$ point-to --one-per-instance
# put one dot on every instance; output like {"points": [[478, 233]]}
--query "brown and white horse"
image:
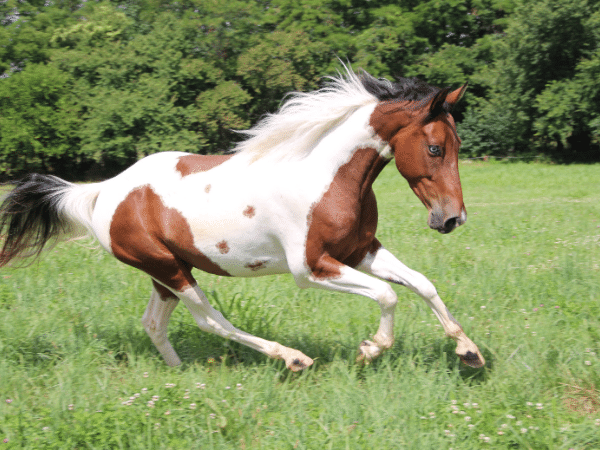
{"points": [[295, 197]]}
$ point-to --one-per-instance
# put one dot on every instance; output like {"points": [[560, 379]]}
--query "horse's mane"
{"points": [[305, 117]]}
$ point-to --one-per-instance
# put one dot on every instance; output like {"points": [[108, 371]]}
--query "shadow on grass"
{"points": [[467, 373], [439, 353], [197, 347]]}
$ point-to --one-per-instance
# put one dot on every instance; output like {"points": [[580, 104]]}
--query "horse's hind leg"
{"points": [[212, 321], [137, 238], [155, 321]]}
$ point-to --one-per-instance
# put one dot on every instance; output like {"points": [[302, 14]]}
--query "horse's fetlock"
{"points": [[456, 333], [384, 342]]}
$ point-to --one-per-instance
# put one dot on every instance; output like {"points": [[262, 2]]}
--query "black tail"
{"points": [[30, 216]]}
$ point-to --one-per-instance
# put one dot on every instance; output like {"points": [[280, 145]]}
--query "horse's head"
{"points": [[423, 139]]}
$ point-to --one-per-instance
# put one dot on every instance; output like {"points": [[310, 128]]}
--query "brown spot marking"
{"points": [[223, 247], [343, 222], [207, 188], [250, 212], [147, 235], [189, 164], [256, 265]]}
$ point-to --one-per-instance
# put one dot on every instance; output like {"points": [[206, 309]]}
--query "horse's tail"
{"points": [[43, 209]]}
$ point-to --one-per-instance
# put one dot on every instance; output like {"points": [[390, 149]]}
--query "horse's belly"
{"points": [[245, 233], [244, 254]]}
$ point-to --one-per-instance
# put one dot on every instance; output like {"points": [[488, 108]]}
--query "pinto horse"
{"points": [[294, 197]]}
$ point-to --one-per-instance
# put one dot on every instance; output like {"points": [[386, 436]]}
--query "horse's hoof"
{"points": [[473, 359], [298, 364], [367, 352]]}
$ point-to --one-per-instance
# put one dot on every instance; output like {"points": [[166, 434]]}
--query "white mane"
{"points": [[304, 118]]}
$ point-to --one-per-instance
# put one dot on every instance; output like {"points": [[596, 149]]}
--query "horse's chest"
{"points": [[341, 224]]}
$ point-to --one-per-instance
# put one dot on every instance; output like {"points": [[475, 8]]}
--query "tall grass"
{"points": [[522, 276]]}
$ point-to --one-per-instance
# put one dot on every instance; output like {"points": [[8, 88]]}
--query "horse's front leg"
{"points": [[328, 273], [383, 264]]}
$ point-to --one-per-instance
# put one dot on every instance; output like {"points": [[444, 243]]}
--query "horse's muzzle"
{"points": [[445, 225]]}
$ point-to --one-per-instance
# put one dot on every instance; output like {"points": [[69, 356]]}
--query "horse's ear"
{"points": [[454, 97], [436, 107]]}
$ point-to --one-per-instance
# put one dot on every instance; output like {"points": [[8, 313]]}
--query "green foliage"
{"points": [[279, 63], [219, 110], [489, 129], [544, 79], [152, 93], [39, 121], [569, 108], [28, 40], [390, 43], [146, 76], [98, 24]]}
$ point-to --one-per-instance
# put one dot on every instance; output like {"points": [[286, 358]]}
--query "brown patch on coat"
{"points": [[257, 265], [149, 236], [189, 164], [387, 119], [343, 222], [223, 247], [207, 188], [249, 212]]}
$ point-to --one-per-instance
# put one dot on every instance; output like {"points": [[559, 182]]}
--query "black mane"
{"points": [[404, 89]]}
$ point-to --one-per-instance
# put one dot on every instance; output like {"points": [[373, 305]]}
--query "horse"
{"points": [[293, 196]]}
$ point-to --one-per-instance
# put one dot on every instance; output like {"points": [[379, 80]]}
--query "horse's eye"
{"points": [[435, 150]]}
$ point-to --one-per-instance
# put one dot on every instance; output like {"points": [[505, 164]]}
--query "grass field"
{"points": [[522, 276]]}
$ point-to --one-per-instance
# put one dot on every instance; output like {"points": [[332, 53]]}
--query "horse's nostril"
{"points": [[437, 222], [451, 224]]}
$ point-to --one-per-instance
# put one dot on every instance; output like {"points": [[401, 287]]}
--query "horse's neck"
{"points": [[351, 154]]}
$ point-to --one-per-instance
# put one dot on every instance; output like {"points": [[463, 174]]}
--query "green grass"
{"points": [[522, 276]]}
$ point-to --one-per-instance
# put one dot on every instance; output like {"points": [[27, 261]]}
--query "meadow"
{"points": [[522, 276]]}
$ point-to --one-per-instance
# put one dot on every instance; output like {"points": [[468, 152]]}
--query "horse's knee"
{"points": [[387, 298]]}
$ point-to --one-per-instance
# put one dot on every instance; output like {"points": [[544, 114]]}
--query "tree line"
{"points": [[89, 88]]}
